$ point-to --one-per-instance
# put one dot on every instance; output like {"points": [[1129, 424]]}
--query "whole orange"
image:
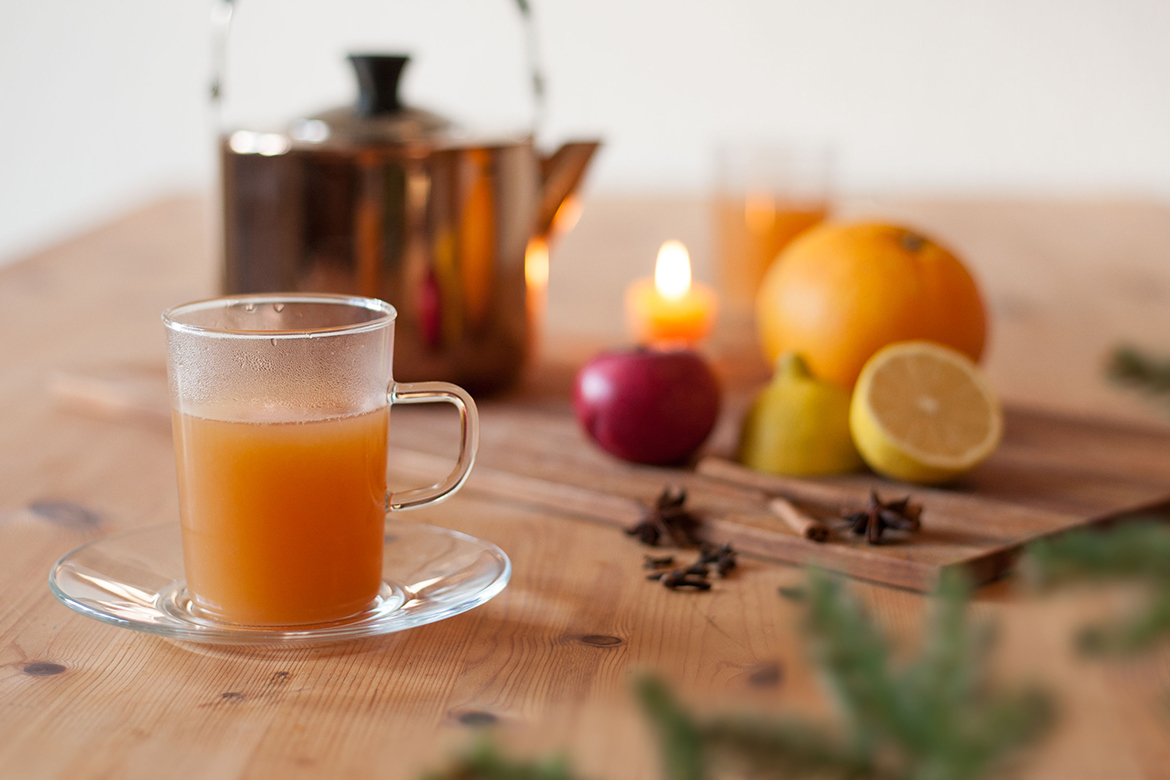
{"points": [[840, 292]]}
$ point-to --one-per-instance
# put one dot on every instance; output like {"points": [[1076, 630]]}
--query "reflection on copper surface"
{"points": [[441, 232], [536, 269], [566, 217], [536, 264], [477, 240]]}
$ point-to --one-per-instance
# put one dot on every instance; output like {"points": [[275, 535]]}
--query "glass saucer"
{"points": [[134, 579]]}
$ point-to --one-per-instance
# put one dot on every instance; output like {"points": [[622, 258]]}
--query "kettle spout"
{"points": [[561, 174]]}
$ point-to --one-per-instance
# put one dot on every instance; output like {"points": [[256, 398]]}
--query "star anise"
{"points": [[877, 515], [667, 521]]}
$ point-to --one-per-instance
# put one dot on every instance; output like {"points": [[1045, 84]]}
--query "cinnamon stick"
{"points": [[805, 525], [830, 496]]}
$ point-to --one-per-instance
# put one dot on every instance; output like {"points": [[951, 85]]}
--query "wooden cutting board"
{"points": [[1051, 474]]}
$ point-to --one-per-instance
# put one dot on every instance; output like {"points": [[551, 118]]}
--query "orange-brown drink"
{"points": [[280, 410], [749, 233], [766, 194], [316, 487]]}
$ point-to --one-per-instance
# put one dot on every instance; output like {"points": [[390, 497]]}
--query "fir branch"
{"points": [[1137, 551], [937, 718], [484, 761], [1130, 366], [792, 594], [785, 748], [1131, 635], [679, 740], [855, 658]]}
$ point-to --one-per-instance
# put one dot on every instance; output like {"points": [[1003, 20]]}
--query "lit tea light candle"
{"points": [[670, 309]]}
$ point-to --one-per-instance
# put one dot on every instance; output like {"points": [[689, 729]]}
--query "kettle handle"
{"points": [[221, 22]]}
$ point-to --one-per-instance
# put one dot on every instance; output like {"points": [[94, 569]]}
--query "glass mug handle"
{"points": [[431, 392]]}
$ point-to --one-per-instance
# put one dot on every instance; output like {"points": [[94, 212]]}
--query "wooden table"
{"points": [[550, 659]]}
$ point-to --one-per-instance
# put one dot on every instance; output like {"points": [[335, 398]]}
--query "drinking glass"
{"points": [[280, 411], [765, 195]]}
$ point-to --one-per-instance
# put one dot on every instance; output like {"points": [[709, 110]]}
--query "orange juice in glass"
{"points": [[280, 410]]}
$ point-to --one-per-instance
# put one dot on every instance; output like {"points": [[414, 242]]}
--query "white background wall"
{"points": [[103, 102]]}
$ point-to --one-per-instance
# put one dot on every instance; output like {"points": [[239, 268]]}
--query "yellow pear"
{"points": [[799, 425]]}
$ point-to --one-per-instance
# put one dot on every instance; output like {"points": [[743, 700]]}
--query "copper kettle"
{"points": [[386, 201]]}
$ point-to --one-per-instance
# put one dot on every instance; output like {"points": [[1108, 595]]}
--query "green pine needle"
{"points": [[484, 761], [679, 740], [936, 718], [1137, 551], [1130, 366], [785, 748]]}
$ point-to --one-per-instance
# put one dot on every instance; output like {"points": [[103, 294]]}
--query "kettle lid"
{"points": [[379, 116]]}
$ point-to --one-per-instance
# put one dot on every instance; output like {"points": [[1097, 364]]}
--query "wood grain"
{"points": [[539, 659]]}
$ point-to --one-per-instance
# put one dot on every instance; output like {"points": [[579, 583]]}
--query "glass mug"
{"points": [[280, 409]]}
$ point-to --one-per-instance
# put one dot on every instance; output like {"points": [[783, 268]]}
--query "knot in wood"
{"points": [[477, 719], [65, 513]]}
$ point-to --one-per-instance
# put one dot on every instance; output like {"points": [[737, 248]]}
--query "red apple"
{"points": [[646, 406]]}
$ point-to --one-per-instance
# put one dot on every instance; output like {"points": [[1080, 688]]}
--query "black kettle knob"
{"points": [[377, 76]]}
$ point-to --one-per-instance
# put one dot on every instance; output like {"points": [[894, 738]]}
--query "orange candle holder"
{"points": [[670, 309]]}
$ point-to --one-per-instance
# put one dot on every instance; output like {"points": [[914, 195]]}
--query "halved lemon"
{"points": [[922, 412]]}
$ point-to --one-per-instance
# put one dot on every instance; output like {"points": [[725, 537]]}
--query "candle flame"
{"points": [[672, 272]]}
